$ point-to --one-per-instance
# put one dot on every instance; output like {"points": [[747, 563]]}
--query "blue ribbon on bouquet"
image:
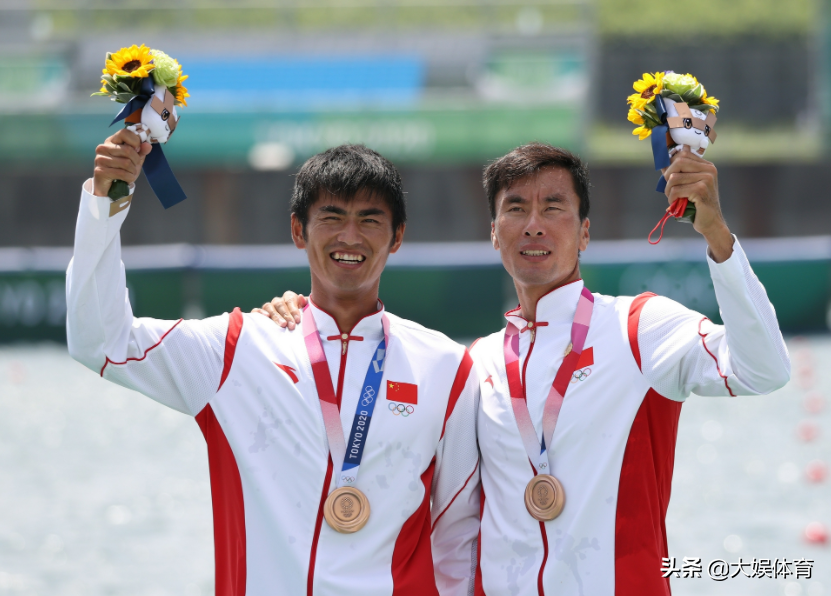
{"points": [[660, 154], [158, 172]]}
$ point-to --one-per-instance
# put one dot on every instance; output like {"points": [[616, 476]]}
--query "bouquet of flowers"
{"points": [[124, 70], [677, 88], [678, 110], [150, 83]]}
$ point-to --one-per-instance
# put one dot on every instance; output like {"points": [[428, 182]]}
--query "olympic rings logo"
{"points": [[369, 396], [401, 410], [543, 466], [581, 375], [348, 478]]}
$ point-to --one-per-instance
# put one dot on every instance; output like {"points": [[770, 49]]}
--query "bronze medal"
{"points": [[346, 510], [544, 497]]}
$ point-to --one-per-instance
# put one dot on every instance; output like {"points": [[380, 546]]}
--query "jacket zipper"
{"points": [[318, 522], [533, 329], [344, 349]]}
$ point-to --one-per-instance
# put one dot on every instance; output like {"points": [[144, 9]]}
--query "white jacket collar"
{"points": [[556, 306], [370, 328]]}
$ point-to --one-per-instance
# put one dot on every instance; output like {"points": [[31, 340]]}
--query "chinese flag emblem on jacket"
{"points": [[586, 358], [405, 393]]}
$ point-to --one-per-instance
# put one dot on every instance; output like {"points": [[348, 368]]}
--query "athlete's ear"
{"points": [[584, 234], [398, 238], [494, 240], [297, 232]]}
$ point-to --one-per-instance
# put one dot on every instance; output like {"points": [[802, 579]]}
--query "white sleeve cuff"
{"points": [[758, 352], [730, 271], [103, 209]]}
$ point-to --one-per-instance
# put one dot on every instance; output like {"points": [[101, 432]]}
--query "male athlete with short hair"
{"points": [[327, 445], [581, 393]]}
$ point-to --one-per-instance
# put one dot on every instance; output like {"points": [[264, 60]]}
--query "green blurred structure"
{"points": [[461, 292], [633, 18], [446, 134], [498, 73]]}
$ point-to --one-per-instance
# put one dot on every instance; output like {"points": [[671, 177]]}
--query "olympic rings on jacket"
{"points": [[401, 409], [581, 375]]}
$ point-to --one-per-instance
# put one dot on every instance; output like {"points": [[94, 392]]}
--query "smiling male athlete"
{"points": [[327, 444], [581, 393]]}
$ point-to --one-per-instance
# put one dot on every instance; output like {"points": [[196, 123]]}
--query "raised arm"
{"points": [[178, 363], [682, 351]]}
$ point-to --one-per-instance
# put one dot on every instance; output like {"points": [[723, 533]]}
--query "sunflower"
{"points": [[635, 117], [181, 92], [135, 62], [636, 101], [710, 101], [647, 88], [642, 132]]}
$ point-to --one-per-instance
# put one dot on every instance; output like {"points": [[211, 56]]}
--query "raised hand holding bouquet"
{"points": [[675, 110], [149, 82]]}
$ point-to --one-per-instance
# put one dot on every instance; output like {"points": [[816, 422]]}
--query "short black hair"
{"points": [[530, 159], [344, 171]]}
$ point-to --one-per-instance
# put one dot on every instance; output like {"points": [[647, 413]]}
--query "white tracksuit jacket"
{"points": [[614, 444], [250, 386]]}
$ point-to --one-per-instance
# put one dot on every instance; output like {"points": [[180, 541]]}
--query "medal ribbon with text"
{"points": [[346, 457], [538, 450]]}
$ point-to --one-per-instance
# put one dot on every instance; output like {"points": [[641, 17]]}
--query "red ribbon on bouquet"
{"points": [[675, 210]]}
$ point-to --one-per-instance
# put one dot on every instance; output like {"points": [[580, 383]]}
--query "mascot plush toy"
{"points": [[158, 117], [149, 82], [675, 110]]}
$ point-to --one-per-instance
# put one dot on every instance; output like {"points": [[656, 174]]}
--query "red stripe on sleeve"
{"points": [[634, 318], [234, 329], [476, 467], [478, 588], [458, 385], [108, 361], [412, 557], [228, 508], [713, 356]]}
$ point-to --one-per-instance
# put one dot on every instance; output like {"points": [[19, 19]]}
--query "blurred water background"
{"points": [[104, 492]]}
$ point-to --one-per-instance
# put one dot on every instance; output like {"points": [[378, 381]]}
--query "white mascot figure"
{"points": [[158, 117], [690, 127]]}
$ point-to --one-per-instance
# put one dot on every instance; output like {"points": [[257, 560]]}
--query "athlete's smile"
{"points": [[347, 259]]}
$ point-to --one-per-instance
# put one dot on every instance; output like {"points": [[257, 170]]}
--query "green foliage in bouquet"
{"points": [[124, 70]]}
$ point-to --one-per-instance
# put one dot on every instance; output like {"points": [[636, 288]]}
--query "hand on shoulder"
{"points": [[285, 310]]}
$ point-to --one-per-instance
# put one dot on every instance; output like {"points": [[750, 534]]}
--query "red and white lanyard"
{"points": [[329, 402], [538, 451]]}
